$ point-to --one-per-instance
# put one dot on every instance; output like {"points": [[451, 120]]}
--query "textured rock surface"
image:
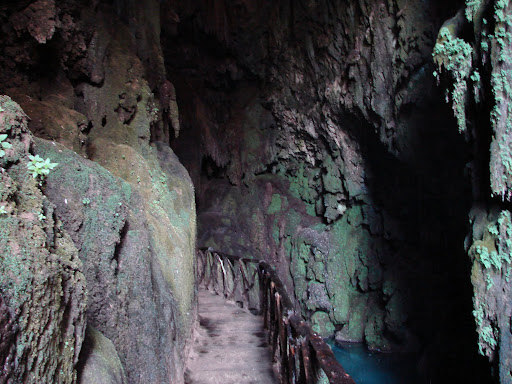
{"points": [[92, 80], [316, 138], [319, 128], [99, 362], [130, 265], [475, 69], [42, 288]]}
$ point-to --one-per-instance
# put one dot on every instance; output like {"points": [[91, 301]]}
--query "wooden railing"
{"points": [[301, 355]]}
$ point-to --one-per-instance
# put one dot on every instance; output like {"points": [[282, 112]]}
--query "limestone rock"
{"points": [[131, 288], [43, 289], [130, 211], [99, 362]]}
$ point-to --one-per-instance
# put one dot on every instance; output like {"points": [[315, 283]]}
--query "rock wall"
{"points": [[92, 81], [316, 138], [42, 288], [473, 57], [317, 129]]}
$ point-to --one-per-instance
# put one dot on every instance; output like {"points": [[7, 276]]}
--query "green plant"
{"points": [[39, 167], [2, 210], [479, 315], [3, 144], [493, 230], [86, 201], [41, 217]]}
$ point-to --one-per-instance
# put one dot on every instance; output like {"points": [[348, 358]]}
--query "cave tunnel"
{"points": [[290, 166], [316, 138]]}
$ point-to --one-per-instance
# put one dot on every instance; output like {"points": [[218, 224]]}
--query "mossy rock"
{"points": [[43, 289], [321, 324]]}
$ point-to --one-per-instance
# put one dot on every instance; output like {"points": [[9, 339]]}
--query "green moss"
{"points": [[321, 324], [454, 55], [300, 186], [479, 315], [332, 177], [276, 231], [11, 115], [355, 215], [318, 271], [489, 281], [473, 8], [488, 259], [16, 278], [491, 268], [293, 220], [495, 251], [331, 206], [354, 319], [501, 115], [310, 209], [275, 204], [487, 339], [349, 272], [304, 251], [373, 333], [298, 272]]}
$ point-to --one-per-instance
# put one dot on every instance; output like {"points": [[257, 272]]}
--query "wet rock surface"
{"points": [[473, 62]]}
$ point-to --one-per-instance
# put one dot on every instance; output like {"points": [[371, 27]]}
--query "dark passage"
{"points": [[339, 164]]}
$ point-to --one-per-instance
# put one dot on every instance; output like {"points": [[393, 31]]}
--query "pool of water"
{"points": [[367, 367]]}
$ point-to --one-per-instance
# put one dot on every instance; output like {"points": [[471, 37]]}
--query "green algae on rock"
{"points": [[95, 84], [43, 289], [486, 55]]}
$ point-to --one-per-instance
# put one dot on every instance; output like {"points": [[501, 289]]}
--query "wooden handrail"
{"points": [[302, 356]]}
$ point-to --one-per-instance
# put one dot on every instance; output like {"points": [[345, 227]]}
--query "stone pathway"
{"points": [[229, 347]]}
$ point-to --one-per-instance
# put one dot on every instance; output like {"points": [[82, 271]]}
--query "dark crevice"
{"points": [[87, 128], [119, 247]]}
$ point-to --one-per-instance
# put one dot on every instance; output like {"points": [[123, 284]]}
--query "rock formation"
{"points": [[91, 80], [317, 136], [320, 151], [473, 56], [43, 290]]}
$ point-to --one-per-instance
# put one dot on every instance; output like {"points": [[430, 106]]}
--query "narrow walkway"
{"points": [[229, 347]]}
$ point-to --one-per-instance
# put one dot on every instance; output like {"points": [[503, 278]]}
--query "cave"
{"points": [[407, 189], [362, 148]]}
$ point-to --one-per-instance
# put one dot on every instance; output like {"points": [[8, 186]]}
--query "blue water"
{"points": [[375, 368]]}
